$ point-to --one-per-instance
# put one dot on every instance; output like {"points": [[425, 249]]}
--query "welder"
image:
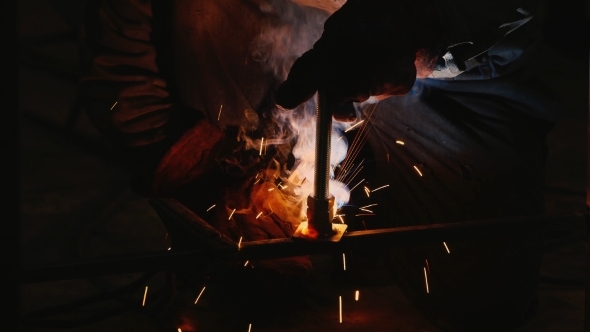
{"points": [[454, 81]]}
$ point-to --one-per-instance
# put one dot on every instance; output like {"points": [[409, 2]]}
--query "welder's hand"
{"points": [[368, 48]]}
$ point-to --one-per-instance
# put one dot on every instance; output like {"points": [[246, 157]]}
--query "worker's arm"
{"points": [[127, 98], [378, 47]]}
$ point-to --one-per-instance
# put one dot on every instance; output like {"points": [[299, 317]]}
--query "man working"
{"points": [[169, 81]]}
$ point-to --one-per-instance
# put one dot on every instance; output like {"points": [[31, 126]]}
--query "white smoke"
{"points": [[283, 39]]}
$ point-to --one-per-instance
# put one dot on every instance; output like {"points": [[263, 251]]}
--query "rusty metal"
{"points": [[215, 247]]}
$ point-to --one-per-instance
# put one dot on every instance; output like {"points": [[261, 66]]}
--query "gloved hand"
{"points": [[368, 48]]}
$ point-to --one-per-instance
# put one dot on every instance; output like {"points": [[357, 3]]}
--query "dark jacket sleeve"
{"points": [[125, 93]]}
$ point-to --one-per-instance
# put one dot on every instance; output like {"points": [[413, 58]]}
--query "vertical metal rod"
{"points": [[322, 148]]}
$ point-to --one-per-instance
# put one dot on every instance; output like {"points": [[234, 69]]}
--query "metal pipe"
{"points": [[378, 238]]}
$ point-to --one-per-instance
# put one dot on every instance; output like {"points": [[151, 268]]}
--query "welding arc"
{"points": [[33, 319]]}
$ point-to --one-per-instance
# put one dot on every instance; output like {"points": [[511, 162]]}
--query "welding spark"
{"points": [[257, 181], [367, 191], [249, 327], [341, 219], [365, 210], [231, 214], [356, 295], [144, 296], [344, 261], [340, 307], [271, 189], [219, 115], [169, 248], [240, 242], [357, 184], [339, 138], [201, 293], [356, 125], [364, 224], [212, 206], [448, 251], [115, 104], [385, 186], [246, 264], [366, 206], [259, 215], [261, 142], [417, 170], [427, 266], [426, 280], [400, 142], [364, 214], [179, 330]]}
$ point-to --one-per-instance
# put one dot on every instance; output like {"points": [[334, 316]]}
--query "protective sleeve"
{"points": [[128, 100]]}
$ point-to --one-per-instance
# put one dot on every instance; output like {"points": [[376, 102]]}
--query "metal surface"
{"points": [[219, 250]]}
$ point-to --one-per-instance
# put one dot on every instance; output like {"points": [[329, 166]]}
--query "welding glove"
{"points": [[368, 48]]}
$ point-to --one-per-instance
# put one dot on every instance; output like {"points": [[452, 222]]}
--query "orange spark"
{"points": [[144, 296], [364, 214], [340, 307], [201, 293], [341, 220], [366, 206], [212, 206], [219, 115], [169, 248], [356, 295], [385, 186], [426, 280], [448, 251], [259, 215], [367, 191], [245, 264], [400, 142], [249, 327], [261, 143], [240, 242], [357, 184], [115, 104], [271, 189], [354, 126], [231, 214], [344, 261], [417, 170], [365, 210]]}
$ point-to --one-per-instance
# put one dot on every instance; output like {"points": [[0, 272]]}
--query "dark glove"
{"points": [[368, 48]]}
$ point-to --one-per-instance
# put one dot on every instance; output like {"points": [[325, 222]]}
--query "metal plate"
{"points": [[338, 228]]}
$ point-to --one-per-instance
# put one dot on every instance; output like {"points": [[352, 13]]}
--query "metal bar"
{"points": [[390, 237], [322, 149]]}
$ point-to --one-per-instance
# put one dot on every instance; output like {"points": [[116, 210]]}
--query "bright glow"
{"points": [[340, 307], [417, 170], [249, 327], [179, 330], [356, 295], [144, 296], [271, 189], [448, 251], [231, 214], [212, 206], [201, 293], [426, 280], [400, 142], [354, 126], [245, 264], [385, 186], [259, 215], [170, 248], [361, 181]]}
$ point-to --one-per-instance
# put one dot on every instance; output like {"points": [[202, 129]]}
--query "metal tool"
{"points": [[320, 206]]}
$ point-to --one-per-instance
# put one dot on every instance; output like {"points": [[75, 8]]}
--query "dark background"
{"points": [[75, 201]]}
